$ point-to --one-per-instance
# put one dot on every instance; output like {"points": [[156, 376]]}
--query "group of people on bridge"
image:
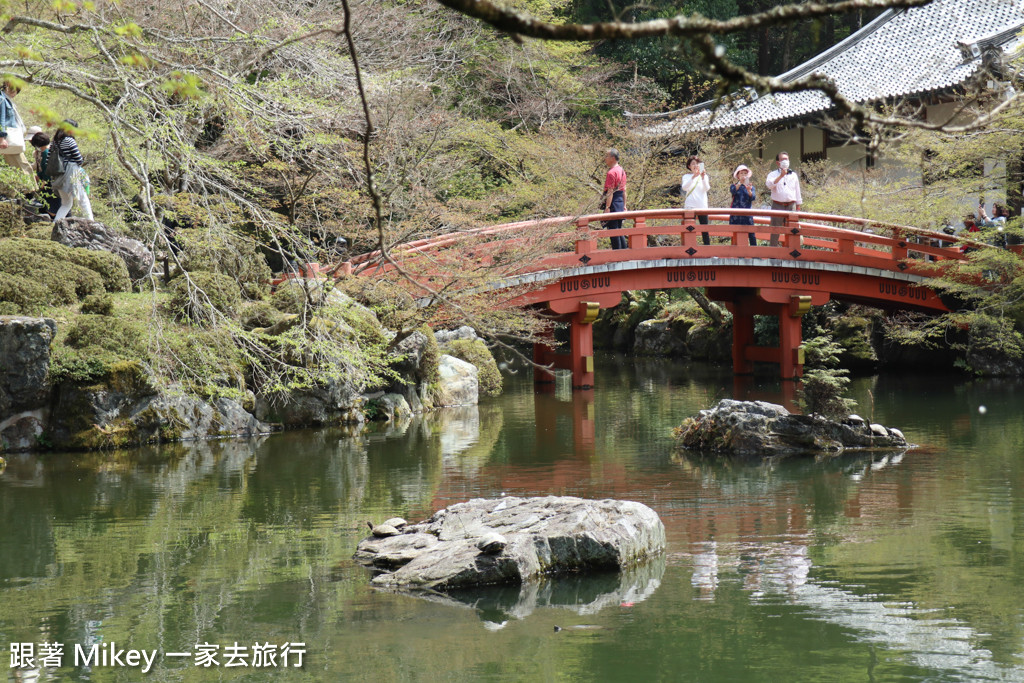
{"points": [[783, 183]]}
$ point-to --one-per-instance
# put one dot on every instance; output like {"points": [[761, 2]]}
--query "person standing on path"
{"points": [[614, 198], [784, 184], [695, 186], [13, 151], [71, 185], [743, 196]]}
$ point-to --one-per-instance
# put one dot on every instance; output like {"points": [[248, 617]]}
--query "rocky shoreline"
{"points": [[126, 408]]}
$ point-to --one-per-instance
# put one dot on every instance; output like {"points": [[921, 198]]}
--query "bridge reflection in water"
{"points": [[806, 261]]}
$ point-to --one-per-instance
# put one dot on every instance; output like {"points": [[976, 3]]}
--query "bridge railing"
{"points": [[677, 233]]}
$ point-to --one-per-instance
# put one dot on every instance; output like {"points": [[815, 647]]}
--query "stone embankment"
{"points": [[128, 409], [511, 541], [767, 430]]}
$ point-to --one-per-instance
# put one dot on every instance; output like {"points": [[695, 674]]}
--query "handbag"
{"points": [[15, 141], [15, 136], [55, 166]]}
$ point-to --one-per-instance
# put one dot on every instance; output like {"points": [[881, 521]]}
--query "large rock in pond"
{"points": [[458, 382], [513, 540], [767, 429], [93, 235]]}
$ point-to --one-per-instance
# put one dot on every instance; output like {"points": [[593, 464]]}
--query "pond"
{"points": [[857, 568]]}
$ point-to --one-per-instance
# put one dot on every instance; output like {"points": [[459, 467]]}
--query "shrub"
{"points": [[12, 223], [22, 295], [476, 352], [52, 266], [259, 314], [89, 347], [221, 250], [98, 304], [125, 338], [291, 296], [823, 383], [392, 305], [192, 297]]}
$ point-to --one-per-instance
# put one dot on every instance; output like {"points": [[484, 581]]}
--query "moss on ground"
{"points": [[476, 352]]}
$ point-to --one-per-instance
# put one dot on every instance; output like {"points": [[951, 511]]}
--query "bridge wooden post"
{"points": [[581, 343], [544, 354], [742, 335], [637, 241]]}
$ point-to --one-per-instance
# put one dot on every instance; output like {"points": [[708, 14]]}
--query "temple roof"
{"points": [[904, 53]]}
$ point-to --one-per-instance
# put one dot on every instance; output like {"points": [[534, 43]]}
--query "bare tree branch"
{"points": [[521, 24]]}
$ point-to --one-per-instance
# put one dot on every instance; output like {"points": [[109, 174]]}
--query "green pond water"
{"points": [[859, 568]]}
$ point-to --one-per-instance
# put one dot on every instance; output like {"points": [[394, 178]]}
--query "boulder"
{"points": [[542, 536], [661, 338], [458, 384], [95, 236], [446, 336], [332, 401], [767, 429], [25, 354], [117, 414]]}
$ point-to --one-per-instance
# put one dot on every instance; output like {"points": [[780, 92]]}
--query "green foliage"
{"points": [[824, 383], [474, 351], [192, 297], [36, 273], [394, 306], [22, 295], [225, 251], [259, 314], [88, 347], [12, 224], [294, 296], [98, 304]]}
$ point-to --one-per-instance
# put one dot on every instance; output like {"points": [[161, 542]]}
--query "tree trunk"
{"points": [[713, 311]]}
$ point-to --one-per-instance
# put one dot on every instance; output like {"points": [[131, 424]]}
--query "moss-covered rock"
{"points": [[476, 352], [853, 333], [192, 296]]}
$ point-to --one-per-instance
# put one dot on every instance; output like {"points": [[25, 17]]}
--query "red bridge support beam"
{"points": [[788, 307], [580, 360]]}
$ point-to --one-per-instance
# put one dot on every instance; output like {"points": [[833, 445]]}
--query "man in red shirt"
{"points": [[614, 198]]}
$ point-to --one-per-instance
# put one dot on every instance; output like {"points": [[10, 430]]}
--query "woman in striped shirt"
{"points": [[71, 186]]}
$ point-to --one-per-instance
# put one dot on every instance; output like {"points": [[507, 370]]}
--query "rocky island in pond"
{"points": [[767, 429], [510, 541]]}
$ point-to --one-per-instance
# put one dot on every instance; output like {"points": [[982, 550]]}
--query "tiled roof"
{"points": [[902, 53]]}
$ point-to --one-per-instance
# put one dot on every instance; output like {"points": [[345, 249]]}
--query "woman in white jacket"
{"points": [[695, 187]]}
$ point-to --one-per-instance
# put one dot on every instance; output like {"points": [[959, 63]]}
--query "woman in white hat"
{"points": [[743, 196]]}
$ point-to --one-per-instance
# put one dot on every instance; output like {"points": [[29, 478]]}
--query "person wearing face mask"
{"points": [[784, 184]]}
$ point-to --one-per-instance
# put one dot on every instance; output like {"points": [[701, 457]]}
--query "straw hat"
{"points": [[741, 167]]}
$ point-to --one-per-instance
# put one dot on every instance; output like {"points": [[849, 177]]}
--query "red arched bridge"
{"points": [[807, 261]]}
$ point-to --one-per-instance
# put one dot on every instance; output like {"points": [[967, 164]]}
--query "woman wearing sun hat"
{"points": [[743, 196]]}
